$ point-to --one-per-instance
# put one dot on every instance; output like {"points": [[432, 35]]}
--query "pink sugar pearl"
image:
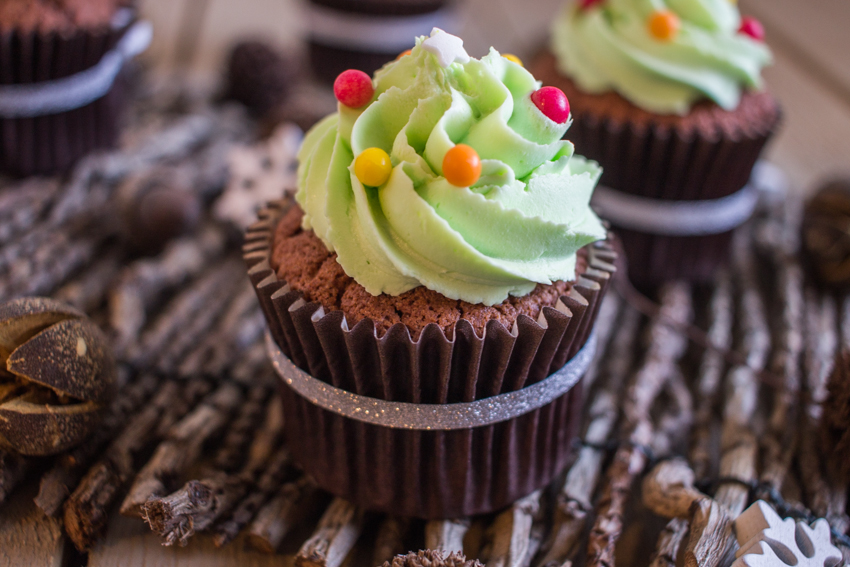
{"points": [[353, 88], [553, 103]]}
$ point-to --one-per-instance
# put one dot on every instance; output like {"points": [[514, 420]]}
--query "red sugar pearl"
{"points": [[586, 4], [353, 88], [553, 103], [752, 27]]}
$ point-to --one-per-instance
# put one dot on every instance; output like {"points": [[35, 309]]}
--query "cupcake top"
{"points": [[444, 171], [662, 55], [64, 16]]}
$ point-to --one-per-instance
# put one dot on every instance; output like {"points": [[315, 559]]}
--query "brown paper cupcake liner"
{"points": [[52, 143], [429, 474], [661, 163]]}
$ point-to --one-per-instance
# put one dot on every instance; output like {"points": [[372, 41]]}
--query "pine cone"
{"points": [[826, 233], [432, 558], [836, 413]]}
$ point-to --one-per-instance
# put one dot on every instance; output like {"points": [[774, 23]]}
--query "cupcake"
{"points": [[60, 84], [431, 289], [668, 97], [365, 34]]}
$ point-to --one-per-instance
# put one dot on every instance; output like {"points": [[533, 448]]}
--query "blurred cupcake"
{"points": [[365, 34], [60, 89], [668, 97], [432, 292]]}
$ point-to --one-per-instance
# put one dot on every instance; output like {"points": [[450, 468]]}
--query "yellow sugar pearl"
{"points": [[373, 167], [664, 25], [514, 58]]}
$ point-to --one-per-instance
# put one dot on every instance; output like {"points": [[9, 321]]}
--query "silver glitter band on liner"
{"points": [[433, 417], [372, 33], [78, 90], [675, 218]]}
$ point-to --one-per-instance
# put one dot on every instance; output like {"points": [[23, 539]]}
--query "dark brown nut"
{"points": [[56, 376], [157, 207], [826, 233]]}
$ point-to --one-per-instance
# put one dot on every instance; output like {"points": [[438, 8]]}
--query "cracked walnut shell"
{"points": [[56, 376]]}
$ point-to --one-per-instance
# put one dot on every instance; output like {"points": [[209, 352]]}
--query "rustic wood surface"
{"points": [[811, 77]]}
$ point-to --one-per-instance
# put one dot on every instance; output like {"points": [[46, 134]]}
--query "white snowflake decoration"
{"points": [[259, 174], [446, 47], [766, 540]]}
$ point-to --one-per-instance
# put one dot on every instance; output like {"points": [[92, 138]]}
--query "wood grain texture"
{"points": [[130, 543], [27, 536]]}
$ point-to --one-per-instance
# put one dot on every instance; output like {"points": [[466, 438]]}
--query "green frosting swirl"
{"points": [[609, 46], [519, 225]]}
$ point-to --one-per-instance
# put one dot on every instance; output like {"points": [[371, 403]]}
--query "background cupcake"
{"points": [[60, 89], [365, 34], [668, 98], [443, 253]]}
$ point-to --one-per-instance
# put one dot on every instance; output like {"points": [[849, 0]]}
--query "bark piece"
{"points": [[283, 512], [334, 537], [446, 535], [182, 447]]}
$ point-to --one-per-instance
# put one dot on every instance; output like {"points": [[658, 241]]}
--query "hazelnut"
{"points": [[56, 376]]}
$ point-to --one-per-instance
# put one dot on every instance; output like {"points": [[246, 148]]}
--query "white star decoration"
{"points": [[767, 540], [446, 47]]}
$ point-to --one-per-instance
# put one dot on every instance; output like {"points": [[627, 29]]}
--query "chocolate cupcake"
{"points": [[60, 87], [365, 34], [670, 102], [431, 295]]}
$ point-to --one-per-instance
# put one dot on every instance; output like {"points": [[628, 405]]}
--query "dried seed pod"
{"points": [[826, 233], [56, 376]]}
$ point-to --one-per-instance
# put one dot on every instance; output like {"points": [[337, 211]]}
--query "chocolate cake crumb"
{"points": [[301, 259], [432, 558]]}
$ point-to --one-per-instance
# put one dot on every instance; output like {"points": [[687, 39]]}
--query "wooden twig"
{"points": [[513, 543], [230, 456], [283, 512], [87, 508], [69, 468], [334, 537], [446, 535], [88, 291], [240, 325], [739, 441], [779, 443], [709, 378], [245, 511], [182, 447], [665, 347], [178, 317], [819, 355], [574, 503], [390, 539], [710, 375], [669, 541], [142, 284], [200, 503]]}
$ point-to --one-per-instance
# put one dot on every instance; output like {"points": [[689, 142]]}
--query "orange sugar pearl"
{"points": [[461, 166], [664, 25], [404, 53]]}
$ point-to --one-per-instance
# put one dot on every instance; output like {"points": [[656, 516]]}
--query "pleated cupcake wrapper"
{"points": [[428, 474], [52, 143], [660, 162]]}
